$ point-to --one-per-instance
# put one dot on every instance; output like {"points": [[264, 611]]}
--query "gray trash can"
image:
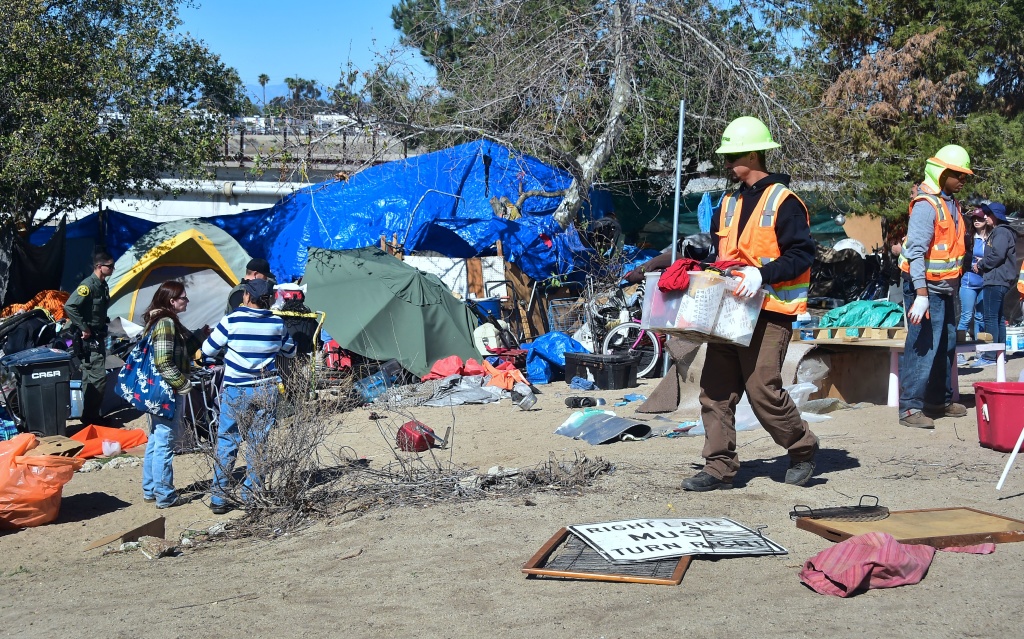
{"points": [[44, 389]]}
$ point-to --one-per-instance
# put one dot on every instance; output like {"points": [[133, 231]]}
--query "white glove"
{"points": [[918, 309], [750, 281]]}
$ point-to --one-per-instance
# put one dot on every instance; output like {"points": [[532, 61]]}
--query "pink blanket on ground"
{"points": [[872, 560]]}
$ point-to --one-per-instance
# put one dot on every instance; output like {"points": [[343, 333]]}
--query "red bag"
{"points": [[414, 437]]}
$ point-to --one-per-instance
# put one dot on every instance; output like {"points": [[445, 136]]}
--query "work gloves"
{"points": [[750, 281], [918, 310]]}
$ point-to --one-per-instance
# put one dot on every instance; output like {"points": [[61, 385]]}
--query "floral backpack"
{"points": [[140, 384]]}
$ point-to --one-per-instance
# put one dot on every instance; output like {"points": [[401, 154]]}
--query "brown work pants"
{"points": [[757, 368]]}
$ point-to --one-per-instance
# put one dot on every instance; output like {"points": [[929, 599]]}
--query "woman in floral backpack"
{"points": [[173, 347]]}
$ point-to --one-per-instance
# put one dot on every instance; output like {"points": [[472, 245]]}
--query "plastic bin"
{"points": [[1000, 418], [609, 372], [707, 311], [44, 388]]}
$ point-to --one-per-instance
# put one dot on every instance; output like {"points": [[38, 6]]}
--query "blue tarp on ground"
{"points": [[438, 201]]}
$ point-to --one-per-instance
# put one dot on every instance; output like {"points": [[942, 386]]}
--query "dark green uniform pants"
{"points": [[94, 384]]}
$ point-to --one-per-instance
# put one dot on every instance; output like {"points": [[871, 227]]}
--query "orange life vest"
{"points": [[758, 245], [944, 258]]}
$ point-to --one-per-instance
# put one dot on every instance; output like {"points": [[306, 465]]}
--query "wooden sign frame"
{"points": [[980, 531], [537, 566]]}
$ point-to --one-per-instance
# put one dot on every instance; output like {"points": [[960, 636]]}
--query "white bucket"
{"points": [[1014, 339]]}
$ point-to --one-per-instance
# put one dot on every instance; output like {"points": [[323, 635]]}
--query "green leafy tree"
{"points": [[905, 79], [102, 97]]}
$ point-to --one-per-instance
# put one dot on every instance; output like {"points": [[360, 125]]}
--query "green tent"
{"points": [[382, 308]]}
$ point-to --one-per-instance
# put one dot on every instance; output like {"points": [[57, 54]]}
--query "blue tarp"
{"points": [[438, 201]]}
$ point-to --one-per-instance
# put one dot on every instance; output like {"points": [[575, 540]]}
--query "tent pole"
{"points": [[675, 210]]}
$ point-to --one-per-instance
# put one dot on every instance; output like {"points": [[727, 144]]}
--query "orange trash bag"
{"points": [[31, 486]]}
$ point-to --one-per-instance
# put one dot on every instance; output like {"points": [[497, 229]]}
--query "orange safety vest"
{"points": [[944, 258], [758, 245], [1020, 280]]}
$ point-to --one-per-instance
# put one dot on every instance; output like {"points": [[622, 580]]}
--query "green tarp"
{"points": [[382, 308]]}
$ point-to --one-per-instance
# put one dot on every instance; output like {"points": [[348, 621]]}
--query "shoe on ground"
{"points": [[984, 361], [583, 402], [983, 337], [149, 500], [917, 420], [220, 509], [961, 360], [951, 409], [799, 473], [180, 500], [703, 482]]}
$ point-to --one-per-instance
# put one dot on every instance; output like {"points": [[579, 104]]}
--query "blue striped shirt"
{"points": [[251, 338]]}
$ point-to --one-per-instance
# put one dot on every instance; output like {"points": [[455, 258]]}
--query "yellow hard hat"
{"points": [[952, 157], [746, 134]]}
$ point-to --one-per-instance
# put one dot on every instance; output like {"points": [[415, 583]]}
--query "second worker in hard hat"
{"points": [[767, 227], [931, 261]]}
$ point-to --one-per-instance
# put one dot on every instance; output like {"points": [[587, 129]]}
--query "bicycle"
{"points": [[616, 336]]}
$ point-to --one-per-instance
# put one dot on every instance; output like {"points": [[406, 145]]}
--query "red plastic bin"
{"points": [[1000, 407]]}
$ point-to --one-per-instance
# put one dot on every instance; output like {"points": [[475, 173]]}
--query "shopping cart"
{"points": [[201, 411]]}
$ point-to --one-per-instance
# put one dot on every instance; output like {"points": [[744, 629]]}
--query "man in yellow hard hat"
{"points": [[766, 227], [931, 261]]}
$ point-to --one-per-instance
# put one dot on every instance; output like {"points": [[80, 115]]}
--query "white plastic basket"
{"points": [[706, 311]]}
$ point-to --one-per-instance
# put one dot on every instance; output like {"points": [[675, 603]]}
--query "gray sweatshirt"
{"points": [[999, 266], [920, 234]]}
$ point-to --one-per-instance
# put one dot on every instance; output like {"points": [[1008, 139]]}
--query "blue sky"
{"points": [[312, 39]]}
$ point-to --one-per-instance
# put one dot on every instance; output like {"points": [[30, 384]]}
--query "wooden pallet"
{"points": [[853, 333]]}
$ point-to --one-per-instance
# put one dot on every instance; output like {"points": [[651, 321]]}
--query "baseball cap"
{"points": [[258, 265], [258, 288], [996, 210]]}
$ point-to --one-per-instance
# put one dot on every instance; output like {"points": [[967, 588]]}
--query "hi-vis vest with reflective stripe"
{"points": [[1020, 280], [944, 258], [758, 245]]}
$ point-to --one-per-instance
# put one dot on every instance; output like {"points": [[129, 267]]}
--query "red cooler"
{"points": [[1000, 407]]}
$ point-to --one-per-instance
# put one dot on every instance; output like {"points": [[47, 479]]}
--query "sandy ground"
{"points": [[454, 570]]}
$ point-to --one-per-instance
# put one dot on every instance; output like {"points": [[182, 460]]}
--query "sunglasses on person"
{"points": [[958, 175], [181, 297], [732, 157], [110, 266]]}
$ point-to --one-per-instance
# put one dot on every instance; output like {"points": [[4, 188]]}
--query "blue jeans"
{"points": [[237, 422], [928, 355], [970, 309], [994, 321], [158, 464]]}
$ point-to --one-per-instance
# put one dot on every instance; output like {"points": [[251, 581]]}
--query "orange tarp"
{"points": [[94, 436]]}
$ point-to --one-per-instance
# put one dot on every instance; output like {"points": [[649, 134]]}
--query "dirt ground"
{"points": [[453, 570]]}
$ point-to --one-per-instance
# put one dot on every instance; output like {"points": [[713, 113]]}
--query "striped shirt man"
{"points": [[251, 338]]}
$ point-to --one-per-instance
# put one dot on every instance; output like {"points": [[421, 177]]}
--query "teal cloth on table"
{"points": [[874, 313]]}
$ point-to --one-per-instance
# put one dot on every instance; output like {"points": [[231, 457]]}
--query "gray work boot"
{"points": [[800, 472]]}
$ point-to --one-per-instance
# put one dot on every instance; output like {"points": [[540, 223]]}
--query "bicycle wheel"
{"points": [[631, 339]]}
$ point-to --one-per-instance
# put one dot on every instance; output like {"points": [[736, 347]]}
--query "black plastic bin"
{"points": [[44, 389], [609, 372]]}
